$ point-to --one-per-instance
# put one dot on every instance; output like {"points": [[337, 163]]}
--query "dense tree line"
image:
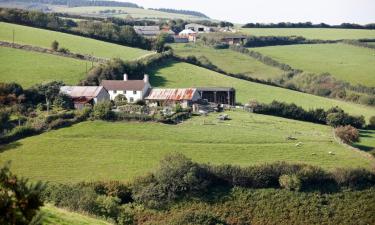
{"points": [[179, 181], [334, 117], [101, 30], [78, 3], [261, 41], [308, 25], [184, 12]]}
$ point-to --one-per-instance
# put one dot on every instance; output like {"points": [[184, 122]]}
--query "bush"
{"points": [[347, 134], [64, 50], [372, 122], [20, 201], [290, 182], [55, 45], [354, 178], [194, 217], [103, 111], [120, 100], [63, 101]]}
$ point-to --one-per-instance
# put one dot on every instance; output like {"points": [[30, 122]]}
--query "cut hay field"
{"points": [[229, 61], [136, 13], [56, 216], [120, 151], [353, 64], [76, 44], [29, 68], [312, 33], [181, 75]]}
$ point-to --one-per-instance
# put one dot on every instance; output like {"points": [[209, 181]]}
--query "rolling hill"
{"points": [[76, 44], [345, 62], [29, 68], [229, 61], [312, 33], [120, 151], [176, 74]]}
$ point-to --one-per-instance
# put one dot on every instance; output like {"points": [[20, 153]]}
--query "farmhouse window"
{"points": [[131, 99], [135, 92]]}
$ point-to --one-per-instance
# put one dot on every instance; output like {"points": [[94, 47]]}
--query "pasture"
{"points": [[76, 44], [29, 68], [229, 61], [121, 151], [185, 75], [312, 33], [54, 216], [123, 12], [349, 63]]}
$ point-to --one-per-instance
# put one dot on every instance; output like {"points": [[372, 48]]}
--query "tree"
{"points": [[63, 101], [55, 45], [50, 91], [160, 42], [103, 111], [20, 201]]}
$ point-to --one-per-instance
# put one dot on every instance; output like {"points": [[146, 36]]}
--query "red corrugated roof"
{"points": [[172, 94]]}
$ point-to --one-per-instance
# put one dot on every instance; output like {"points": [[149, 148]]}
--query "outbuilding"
{"points": [[218, 95], [167, 97], [84, 95]]}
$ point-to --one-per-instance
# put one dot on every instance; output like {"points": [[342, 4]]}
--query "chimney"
{"points": [[146, 78], [125, 77]]}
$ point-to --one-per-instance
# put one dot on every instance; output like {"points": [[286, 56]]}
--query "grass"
{"points": [[76, 44], [312, 33], [186, 75], [367, 141], [29, 68], [120, 151], [136, 13], [230, 61], [54, 216], [345, 62]]}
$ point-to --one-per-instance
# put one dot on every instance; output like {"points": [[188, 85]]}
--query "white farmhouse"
{"points": [[133, 90]]}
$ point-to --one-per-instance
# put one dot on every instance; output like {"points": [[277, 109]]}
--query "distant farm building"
{"points": [[184, 96], [234, 40], [198, 28], [189, 34], [133, 90], [218, 95], [83, 95], [147, 31]]}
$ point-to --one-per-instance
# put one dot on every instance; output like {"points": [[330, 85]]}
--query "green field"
{"points": [[136, 13], [367, 140], [76, 44], [346, 62], [187, 75], [312, 33], [29, 68], [120, 151], [230, 61], [56, 216]]}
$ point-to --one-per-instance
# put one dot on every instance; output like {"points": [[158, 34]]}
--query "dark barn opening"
{"points": [[226, 96]]}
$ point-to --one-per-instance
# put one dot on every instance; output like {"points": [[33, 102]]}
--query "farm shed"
{"points": [[147, 31], [234, 40], [163, 97], [198, 28], [189, 34], [218, 95], [133, 90], [83, 95]]}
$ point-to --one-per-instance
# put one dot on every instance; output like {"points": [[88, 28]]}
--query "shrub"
{"points": [[354, 178], [64, 50], [63, 101], [107, 206], [19, 200], [55, 45], [347, 134], [120, 100], [372, 122], [190, 217], [103, 111], [290, 182]]}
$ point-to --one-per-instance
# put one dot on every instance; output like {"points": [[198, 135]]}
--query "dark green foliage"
{"points": [[260, 41], [103, 111], [334, 117], [19, 200], [194, 217], [372, 122], [63, 101], [176, 178], [354, 178], [55, 45]]}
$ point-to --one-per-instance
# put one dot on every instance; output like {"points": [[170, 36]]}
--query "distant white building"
{"points": [[133, 90], [198, 28], [83, 95], [189, 34]]}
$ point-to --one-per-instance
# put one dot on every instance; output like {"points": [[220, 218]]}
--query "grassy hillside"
{"points": [[345, 62], [187, 75], [229, 61], [54, 216], [29, 68], [312, 33], [124, 12], [76, 44], [120, 151]]}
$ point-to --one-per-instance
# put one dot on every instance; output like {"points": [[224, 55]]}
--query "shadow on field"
{"points": [[155, 79], [4, 148], [369, 134]]}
